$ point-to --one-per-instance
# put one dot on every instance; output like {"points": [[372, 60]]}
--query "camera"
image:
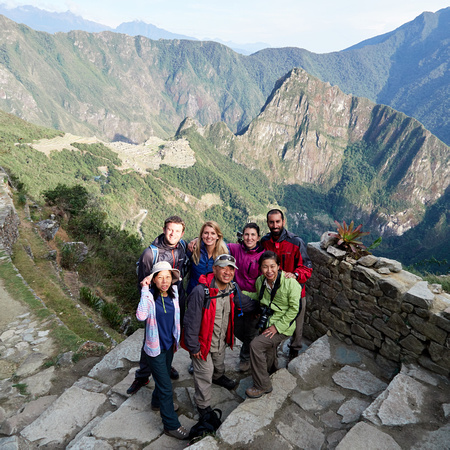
{"points": [[264, 318], [239, 236]]}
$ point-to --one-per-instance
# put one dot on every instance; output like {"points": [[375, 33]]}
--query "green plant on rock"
{"points": [[22, 388], [349, 238]]}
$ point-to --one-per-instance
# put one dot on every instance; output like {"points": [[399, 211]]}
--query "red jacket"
{"points": [[199, 318], [293, 255]]}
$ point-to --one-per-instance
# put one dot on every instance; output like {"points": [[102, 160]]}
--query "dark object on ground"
{"points": [[136, 385]]}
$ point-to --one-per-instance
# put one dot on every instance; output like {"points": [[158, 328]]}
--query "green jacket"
{"points": [[285, 305]]}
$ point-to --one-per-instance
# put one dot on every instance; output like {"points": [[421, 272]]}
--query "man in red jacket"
{"points": [[209, 327], [295, 263]]}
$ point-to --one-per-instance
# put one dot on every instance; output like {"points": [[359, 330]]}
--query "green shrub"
{"points": [[68, 257], [86, 296], [111, 312], [72, 199]]}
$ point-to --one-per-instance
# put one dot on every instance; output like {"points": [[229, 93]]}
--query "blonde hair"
{"points": [[219, 249]]}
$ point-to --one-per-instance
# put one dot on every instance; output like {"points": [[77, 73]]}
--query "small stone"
{"points": [[368, 260], [336, 252]]}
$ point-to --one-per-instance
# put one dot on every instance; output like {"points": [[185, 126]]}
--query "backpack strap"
{"points": [[155, 253]]}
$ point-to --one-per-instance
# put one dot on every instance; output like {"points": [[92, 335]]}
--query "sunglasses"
{"points": [[226, 258]]}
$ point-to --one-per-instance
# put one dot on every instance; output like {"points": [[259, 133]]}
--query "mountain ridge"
{"points": [[311, 127], [54, 22], [210, 82]]}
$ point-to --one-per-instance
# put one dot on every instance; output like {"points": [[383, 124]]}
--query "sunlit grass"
{"points": [[40, 275]]}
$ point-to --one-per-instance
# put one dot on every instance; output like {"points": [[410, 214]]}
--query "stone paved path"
{"points": [[332, 396]]}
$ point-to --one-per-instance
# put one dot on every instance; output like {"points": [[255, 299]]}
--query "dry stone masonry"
{"points": [[375, 304], [9, 220]]}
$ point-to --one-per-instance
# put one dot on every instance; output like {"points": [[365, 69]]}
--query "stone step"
{"points": [[331, 396]]}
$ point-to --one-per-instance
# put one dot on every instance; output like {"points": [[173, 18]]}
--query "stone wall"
{"points": [[9, 221], [375, 304]]}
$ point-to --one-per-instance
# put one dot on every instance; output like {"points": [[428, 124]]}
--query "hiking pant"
{"points": [[205, 372], [296, 342], [263, 358], [162, 395], [245, 331]]}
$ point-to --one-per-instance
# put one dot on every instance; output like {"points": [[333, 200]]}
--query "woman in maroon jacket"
{"points": [[247, 254]]}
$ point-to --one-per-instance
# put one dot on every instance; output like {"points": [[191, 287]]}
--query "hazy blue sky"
{"points": [[317, 25]]}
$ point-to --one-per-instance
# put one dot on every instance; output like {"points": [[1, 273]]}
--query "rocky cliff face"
{"points": [[303, 131]]}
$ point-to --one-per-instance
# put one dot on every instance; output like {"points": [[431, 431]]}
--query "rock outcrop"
{"points": [[9, 220]]}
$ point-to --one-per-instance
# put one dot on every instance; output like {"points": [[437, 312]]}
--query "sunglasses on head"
{"points": [[226, 258]]}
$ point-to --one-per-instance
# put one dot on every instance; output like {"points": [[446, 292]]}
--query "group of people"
{"points": [[253, 290]]}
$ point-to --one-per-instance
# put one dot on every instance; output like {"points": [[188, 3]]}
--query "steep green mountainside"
{"points": [[380, 161], [220, 188], [128, 88], [207, 190]]}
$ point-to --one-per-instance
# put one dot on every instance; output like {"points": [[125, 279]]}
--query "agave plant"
{"points": [[348, 238]]}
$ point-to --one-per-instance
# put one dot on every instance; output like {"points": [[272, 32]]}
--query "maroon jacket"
{"points": [[293, 255]]}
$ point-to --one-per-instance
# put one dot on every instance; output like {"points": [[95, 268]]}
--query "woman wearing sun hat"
{"points": [[159, 308]]}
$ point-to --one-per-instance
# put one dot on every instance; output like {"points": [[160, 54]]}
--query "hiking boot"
{"points": [[244, 366], [174, 375], [203, 411], [191, 369], [180, 433], [136, 385], [254, 392], [225, 382]]}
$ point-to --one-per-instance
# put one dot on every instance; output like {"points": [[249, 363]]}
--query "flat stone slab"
{"points": [[134, 420], [65, 416], [9, 443], [207, 443], [30, 412], [88, 384], [358, 380], [298, 431], [253, 415], [435, 440], [400, 404], [129, 349], [308, 363], [31, 364], [352, 409], [317, 399], [41, 383], [90, 443], [367, 437]]}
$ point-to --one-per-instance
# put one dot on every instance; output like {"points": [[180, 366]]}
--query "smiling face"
{"points": [[223, 275], [276, 224], [269, 268], [209, 236], [250, 238], [173, 232], [163, 280]]}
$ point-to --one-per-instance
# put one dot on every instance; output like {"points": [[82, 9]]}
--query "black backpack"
{"points": [[208, 424]]}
